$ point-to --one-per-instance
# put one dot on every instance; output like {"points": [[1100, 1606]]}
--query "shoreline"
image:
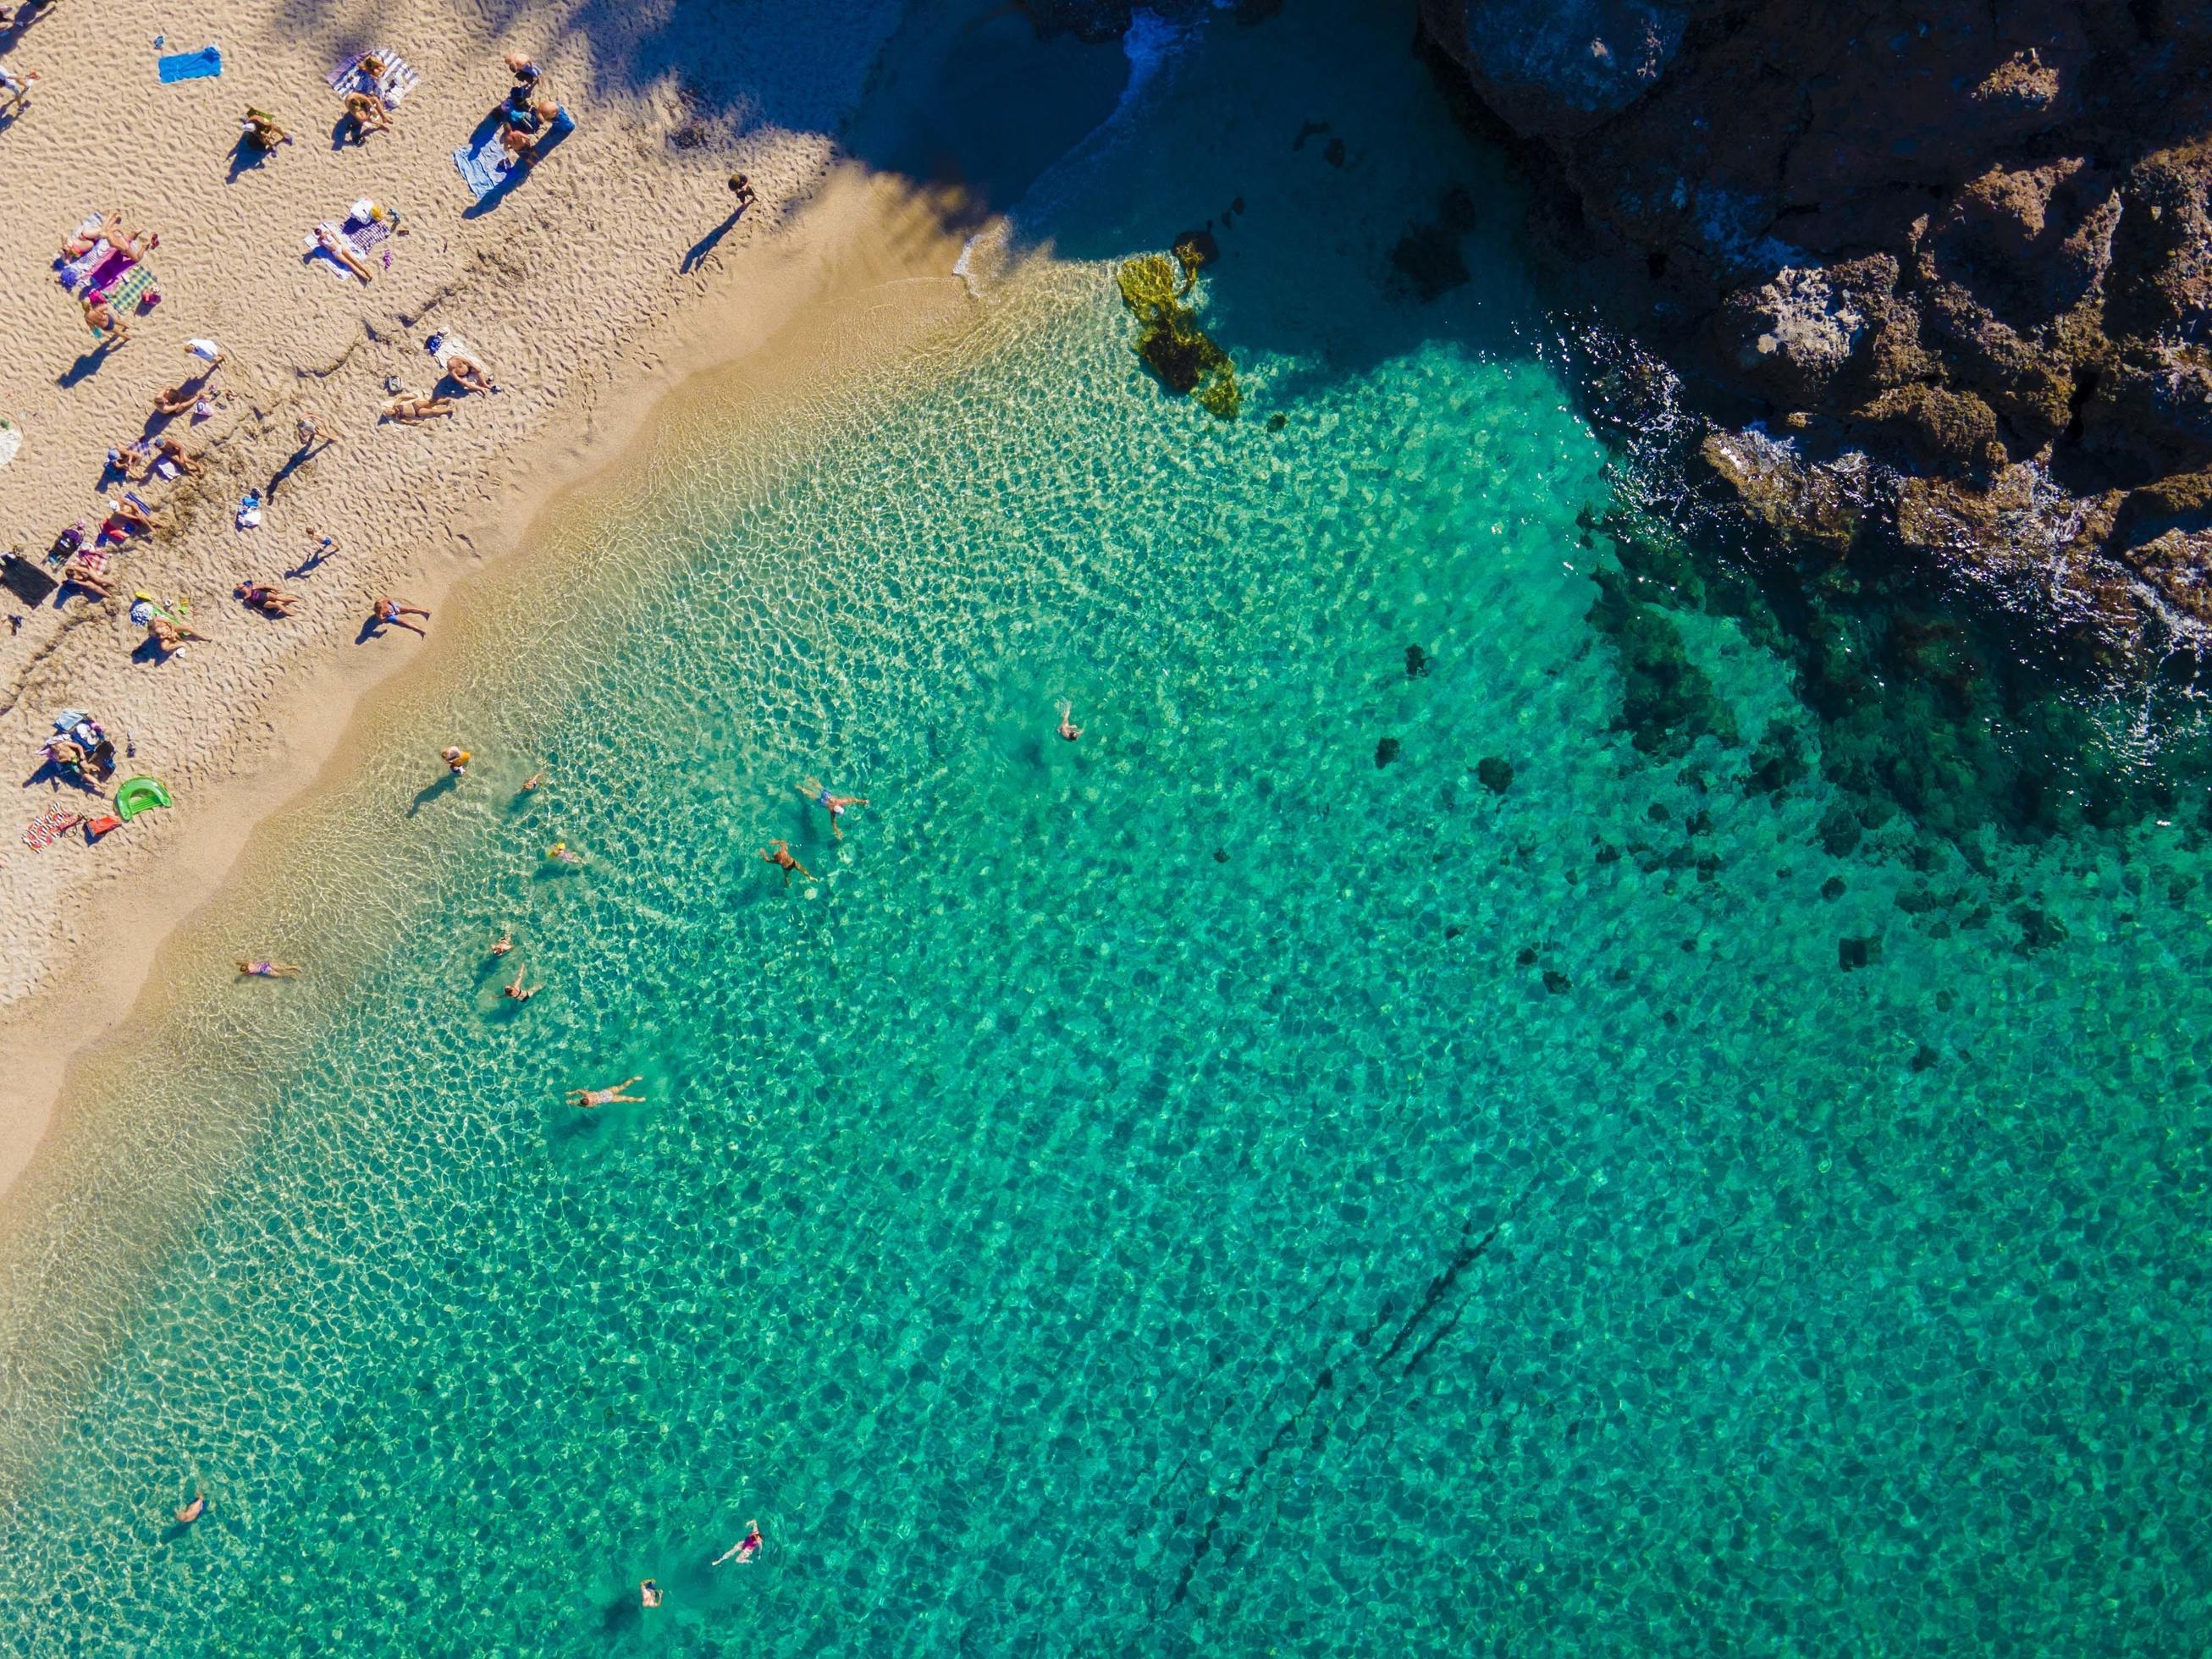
{"points": [[871, 287], [303, 731], [588, 335]]}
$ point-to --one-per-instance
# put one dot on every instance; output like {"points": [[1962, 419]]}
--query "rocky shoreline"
{"points": [[1939, 276]]}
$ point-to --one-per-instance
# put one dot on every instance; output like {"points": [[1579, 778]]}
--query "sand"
{"points": [[591, 288]]}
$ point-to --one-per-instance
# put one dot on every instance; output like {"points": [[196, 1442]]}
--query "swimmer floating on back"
{"points": [[560, 850], [269, 970], [503, 943], [834, 804], [745, 1548], [516, 989], [613, 1095]]}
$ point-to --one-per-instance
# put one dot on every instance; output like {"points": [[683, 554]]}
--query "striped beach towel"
{"points": [[398, 79], [134, 286], [50, 825]]}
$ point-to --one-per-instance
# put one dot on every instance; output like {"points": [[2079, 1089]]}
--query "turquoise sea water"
{"points": [[1224, 1185]]}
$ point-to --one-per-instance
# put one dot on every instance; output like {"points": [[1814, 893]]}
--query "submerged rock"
{"points": [[1495, 773], [1185, 357]]}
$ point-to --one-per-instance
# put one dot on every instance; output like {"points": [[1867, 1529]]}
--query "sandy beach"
{"points": [[608, 273]]}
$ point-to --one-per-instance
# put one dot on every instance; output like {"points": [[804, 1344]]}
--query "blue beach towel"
{"points": [[189, 65], [483, 162]]}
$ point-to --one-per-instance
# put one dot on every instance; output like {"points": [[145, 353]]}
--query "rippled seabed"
{"points": [[1196, 1188]]}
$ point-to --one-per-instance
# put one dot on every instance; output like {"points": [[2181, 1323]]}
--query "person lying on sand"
{"points": [[178, 456], [778, 852], [178, 398], [396, 613], [97, 583], [261, 130], [111, 231], [332, 241], [368, 113], [412, 409], [123, 519], [525, 73], [468, 372], [269, 970], [613, 1095], [101, 317], [268, 601], [169, 634], [516, 989]]}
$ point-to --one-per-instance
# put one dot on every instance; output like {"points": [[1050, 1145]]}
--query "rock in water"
{"points": [[1960, 254]]}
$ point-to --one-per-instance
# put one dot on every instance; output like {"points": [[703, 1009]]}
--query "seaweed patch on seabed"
{"points": [[1336, 1388], [1925, 703], [1185, 357]]}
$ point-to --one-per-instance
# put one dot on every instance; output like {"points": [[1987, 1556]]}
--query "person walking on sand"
{"points": [[193, 1511], [396, 612], [1068, 728], [834, 805], [503, 943], [269, 970], [516, 989], [101, 317], [742, 188], [613, 1095], [744, 1549], [779, 854]]}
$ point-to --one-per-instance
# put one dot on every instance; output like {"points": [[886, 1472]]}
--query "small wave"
{"points": [[1151, 44]]}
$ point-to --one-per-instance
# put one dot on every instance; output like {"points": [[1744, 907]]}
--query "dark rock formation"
{"points": [[1942, 271]]}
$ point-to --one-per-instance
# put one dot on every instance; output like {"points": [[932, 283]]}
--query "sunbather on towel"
{"points": [[110, 233], [332, 241], [465, 367], [97, 583], [182, 458], [123, 519], [418, 409], [368, 113]]}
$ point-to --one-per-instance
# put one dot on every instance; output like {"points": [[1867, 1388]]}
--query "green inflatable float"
{"points": [[136, 795]]}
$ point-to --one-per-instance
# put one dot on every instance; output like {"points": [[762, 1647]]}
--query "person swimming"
{"points": [[611, 1095], [779, 854], [560, 850], [834, 805], [503, 943], [268, 969], [1068, 728], [516, 989], [744, 1549], [193, 1511], [649, 1593]]}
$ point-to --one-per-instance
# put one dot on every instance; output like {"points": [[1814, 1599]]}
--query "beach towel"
{"points": [[483, 163], [137, 284], [398, 79], [353, 233], [50, 825], [189, 65], [108, 270], [443, 347], [71, 273], [25, 580]]}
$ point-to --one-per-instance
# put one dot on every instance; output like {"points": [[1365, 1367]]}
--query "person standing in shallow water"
{"points": [[456, 758]]}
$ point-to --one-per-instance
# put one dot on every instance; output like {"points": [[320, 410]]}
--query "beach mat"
{"points": [[125, 295], [483, 163], [200, 65], [25, 580], [399, 79], [363, 236]]}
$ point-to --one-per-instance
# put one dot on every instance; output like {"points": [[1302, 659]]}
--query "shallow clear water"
{"points": [[1196, 1188]]}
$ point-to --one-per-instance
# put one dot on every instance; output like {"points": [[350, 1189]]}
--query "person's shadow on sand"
{"points": [[707, 244], [247, 156]]}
